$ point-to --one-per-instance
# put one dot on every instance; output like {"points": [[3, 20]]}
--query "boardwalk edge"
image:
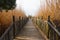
{"points": [[41, 32]]}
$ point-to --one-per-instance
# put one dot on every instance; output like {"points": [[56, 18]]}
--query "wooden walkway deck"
{"points": [[29, 32]]}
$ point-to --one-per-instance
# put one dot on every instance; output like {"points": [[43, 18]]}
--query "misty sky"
{"points": [[29, 6]]}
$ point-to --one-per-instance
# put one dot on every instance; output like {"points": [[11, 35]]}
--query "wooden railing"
{"points": [[48, 28], [53, 33], [14, 29]]}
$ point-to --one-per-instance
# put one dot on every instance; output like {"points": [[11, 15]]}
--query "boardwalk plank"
{"points": [[29, 32]]}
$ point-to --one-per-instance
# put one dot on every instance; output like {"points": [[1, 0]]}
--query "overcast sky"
{"points": [[29, 6]]}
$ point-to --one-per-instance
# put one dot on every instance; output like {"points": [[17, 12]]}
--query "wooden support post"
{"points": [[0, 29], [48, 25], [8, 36], [19, 23], [13, 26]]}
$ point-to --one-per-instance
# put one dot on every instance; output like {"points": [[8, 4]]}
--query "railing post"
{"points": [[0, 29], [48, 25], [19, 22], [8, 36], [22, 21], [13, 26], [36, 20]]}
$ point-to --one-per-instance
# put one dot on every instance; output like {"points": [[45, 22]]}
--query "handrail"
{"points": [[6, 32], [15, 28], [53, 23], [49, 29], [54, 28]]}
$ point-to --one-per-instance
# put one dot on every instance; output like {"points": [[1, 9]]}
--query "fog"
{"points": [[30, 7]]}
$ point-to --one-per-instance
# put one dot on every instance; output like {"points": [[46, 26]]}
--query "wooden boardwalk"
{"points": [[29, 32]]}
